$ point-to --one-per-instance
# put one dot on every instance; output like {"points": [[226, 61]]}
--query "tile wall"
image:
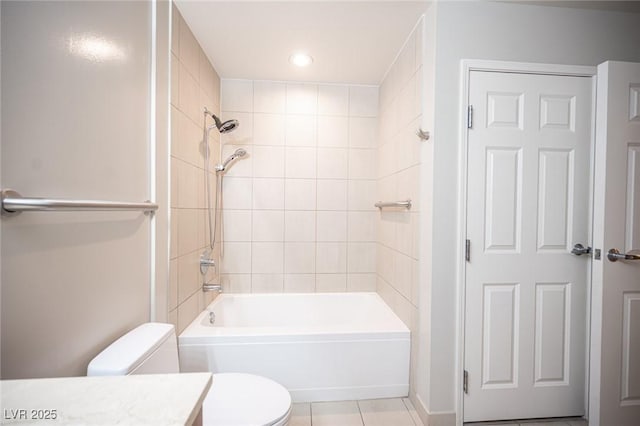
{"points": [[298, 211], [194, 85], [399, 178]]}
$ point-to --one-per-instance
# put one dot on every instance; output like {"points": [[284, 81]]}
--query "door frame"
{"points": [[466, 66]]}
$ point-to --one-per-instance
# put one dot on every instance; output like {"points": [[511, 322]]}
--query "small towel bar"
{"points": [[406, 204]]}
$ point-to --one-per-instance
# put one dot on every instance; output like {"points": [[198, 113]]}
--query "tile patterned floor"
{"points": [[386, 412], [551, 422], [375, 412]]}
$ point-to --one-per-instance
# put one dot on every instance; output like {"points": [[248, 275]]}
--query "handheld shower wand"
{"points": [[238, 153]]}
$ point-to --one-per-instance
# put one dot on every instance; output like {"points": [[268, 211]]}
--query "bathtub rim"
{"points": [[197, 333]]}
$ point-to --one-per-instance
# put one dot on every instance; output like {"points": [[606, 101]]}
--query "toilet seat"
{"points": [[237, 399]]}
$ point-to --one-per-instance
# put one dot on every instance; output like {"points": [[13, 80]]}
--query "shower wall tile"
{"points": [[194, 86], [300, 194], [331, 257], [189, 94], [172, 300], [399, 177], [299, 283], [333, 131], [332, 194], [361, 257], [189, 51], [267, 258], [300, 226], [331, 226], [362, 226], [302, 98], [269, 96], [268, 161], [237, 95], [208, 81], [175, 80], [362, 132], [187, 231], [267, 283], [268, 194], [299, 257], [267, 225], [269, 129], [333, 100], [363, 101], [173, 240], [301, 130], [236, 283], [362, 195], [237, 225], [304, 191], [361, 282], [236, 258], [237, 193], [333, 163], [188, 311], [300, 162], [202, 229], [362, 164], [331, 283], [188, 275]]}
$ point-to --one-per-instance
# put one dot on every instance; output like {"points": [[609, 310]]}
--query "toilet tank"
{"points": [[151, 348]]}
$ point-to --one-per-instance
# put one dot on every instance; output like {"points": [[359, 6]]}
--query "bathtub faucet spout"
{"points": [[212, 287]]}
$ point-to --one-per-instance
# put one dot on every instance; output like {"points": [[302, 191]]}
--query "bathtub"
{"points": [[320, 346]]}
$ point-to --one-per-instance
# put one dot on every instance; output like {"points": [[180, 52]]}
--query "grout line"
{"points": [[360, 411]]}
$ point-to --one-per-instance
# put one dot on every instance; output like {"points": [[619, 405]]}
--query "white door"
{"points": [[615, 345], [527, 205]]}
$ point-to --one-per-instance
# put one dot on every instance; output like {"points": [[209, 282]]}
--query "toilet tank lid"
{"points": [[125, 354]]}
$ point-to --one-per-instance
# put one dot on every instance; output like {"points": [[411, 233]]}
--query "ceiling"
{"points": [[350, 42]]}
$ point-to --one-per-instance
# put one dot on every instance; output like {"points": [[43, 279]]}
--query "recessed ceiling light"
{"points": [[301, 59]]}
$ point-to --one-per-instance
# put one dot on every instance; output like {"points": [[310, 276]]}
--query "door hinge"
{"points": [[465, 381], [467, 250], [470, 117]]}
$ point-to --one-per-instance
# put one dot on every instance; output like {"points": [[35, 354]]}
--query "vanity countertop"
{"points": [[153, 399]]}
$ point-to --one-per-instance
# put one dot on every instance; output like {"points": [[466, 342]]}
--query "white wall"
{"points": [[298, 209], [76, 115], [496, 31]]}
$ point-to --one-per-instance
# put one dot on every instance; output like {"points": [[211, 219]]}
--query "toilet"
{"points": [[235, 399]]}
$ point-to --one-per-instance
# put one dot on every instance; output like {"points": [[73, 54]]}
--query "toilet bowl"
{"points": [[235, 399]]}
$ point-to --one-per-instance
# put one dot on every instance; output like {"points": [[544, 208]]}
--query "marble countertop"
{"points": [[155, 399]]}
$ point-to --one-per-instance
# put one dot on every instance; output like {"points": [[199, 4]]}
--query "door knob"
{"points": [[579, 250], [614, 255]]}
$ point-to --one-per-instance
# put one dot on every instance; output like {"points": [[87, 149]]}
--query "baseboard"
{"points": [[421, 409], [431, 419], [349, 393]]}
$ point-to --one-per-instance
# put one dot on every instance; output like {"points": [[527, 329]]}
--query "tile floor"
{"points": [[551, 422], [385, 412], [375, 412]]}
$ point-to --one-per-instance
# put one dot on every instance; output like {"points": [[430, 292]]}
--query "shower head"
{"points": [[238, 153], [226, 127], [223, 127]]}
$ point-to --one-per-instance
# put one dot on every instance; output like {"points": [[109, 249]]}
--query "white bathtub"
{"points": [[320, 346]]}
